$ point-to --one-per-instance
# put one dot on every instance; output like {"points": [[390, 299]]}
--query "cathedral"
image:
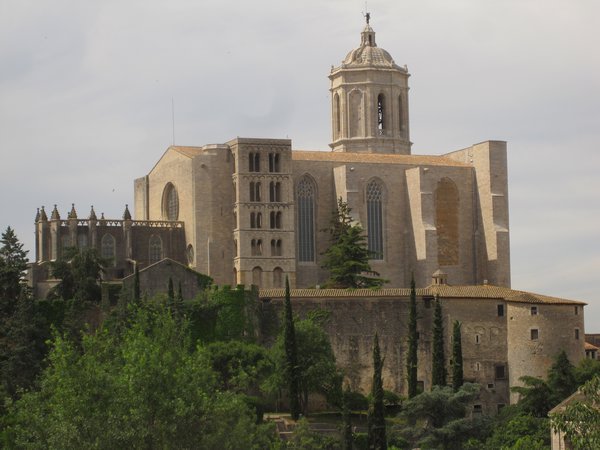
{"points": [[251, 212]]}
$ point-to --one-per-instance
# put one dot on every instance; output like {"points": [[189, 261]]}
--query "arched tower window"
{"points": [[170, 202], [257, 276], [336, 117], [274, 162], [305, 194], [400, 116], [277, 277], [255, 220], [446, 201], [275, 219], [155, 249], [274, 191], [107, 246], [256, 247], [381, 119], [254, 162], [375, 219], [356, 113], [255, 191], [276, 248]]}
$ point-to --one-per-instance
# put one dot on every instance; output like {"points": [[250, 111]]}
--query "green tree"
{"points": [[377, 439], [579, 420], [586, 370], [170, 292], [347, 257], [561, 378], [136, 285], [292, 369], [457, 359], [535, 396], [513, 425], [13, 265], [144, 389], [438, 359], [441, 419], [79, 272], [413, 341]]}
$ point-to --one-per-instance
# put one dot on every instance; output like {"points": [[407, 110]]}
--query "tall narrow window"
{"points": [[400, 116], [255, 191], [274, 162], [381, 119], [155, 249], [305, 194], [256, 247], [254, 162], [446, 202], [107, 246], [275, 220], [375, 219], [276, 249], [255, 220], [277, 277], [336, 116], [275, 191]]}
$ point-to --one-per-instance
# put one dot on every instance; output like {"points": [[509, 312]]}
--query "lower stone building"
{"points": [[506, 333]]}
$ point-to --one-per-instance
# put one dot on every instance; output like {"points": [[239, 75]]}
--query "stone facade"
{"points": [[254, 208], [497, 343]]}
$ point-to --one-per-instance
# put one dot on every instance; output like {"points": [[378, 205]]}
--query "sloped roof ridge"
{"points": [[376, 158]]}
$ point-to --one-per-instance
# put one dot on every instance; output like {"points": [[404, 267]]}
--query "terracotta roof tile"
{"points": [[375, 158], [466, 292], [589, 346]]}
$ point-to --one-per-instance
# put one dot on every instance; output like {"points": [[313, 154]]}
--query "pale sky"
{"points": [[86, 89]]}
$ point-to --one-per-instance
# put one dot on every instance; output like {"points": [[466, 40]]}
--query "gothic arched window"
{"points": [[305, 194], [155, 249], [107, 246], [375, 219], [446, 202], [170, 202]]}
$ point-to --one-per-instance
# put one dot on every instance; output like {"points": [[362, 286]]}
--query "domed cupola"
{"points": [[369, 94], [368, 54]]}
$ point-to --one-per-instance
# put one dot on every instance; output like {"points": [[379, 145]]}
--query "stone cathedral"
{"points": [[250, 212]]}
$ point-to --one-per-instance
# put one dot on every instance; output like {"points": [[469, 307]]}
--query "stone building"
{"points": [[249, 212], [253, 208]]}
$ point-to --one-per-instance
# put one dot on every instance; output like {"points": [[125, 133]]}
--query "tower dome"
{"points": [[369, 95], [368, 54]]}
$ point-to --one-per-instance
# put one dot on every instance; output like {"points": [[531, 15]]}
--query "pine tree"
{"points": [[347, 258], [291, 355], [376, 434], [561, 378], [457, 359], [438, 366], [13, 264], [411, 359], [347, 438]]}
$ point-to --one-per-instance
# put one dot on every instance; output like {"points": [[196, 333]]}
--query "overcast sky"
{"points": [[86, 89]]}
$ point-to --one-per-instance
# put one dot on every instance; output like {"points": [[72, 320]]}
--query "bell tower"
{"points": [[369, 101]]}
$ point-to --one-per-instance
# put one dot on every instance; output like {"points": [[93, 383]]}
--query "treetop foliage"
{"points": [[347, 257]]}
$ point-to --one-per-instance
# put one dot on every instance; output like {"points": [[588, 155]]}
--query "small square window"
{"points": [[576, 310], [477, 409], [500, 372], [490, 385], [500, 310], [535, 334], [534, 310]]}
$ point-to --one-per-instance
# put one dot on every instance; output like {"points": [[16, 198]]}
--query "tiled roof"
{"points": [[375, 158], [589, 346], [447, 291]]}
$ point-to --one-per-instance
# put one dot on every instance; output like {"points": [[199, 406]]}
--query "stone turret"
{"points": [[369, 95]]}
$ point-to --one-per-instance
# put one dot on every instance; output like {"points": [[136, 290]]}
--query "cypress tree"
{"points": [[411, 359], [457, 360], [347, 439], [136, 285], [438, 367], [376, 436], [291, 355], [171, 292]]}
